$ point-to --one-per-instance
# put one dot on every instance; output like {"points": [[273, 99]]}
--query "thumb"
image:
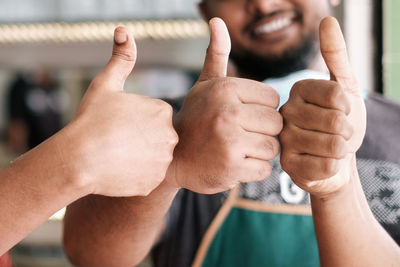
{"points": [[122, 61], [216, 62], [334, 52]]}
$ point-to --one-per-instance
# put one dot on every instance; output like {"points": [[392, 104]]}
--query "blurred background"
{"points": [[51, 49]]}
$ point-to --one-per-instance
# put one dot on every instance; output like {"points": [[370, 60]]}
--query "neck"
{"points": [[317, 63]]}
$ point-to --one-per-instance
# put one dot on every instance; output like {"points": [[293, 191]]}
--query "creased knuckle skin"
{"points": [[329, 167], [275, 99], [336, 146], [225, 119], [286, 162], [336, 122], [173, 138], [287, 111], [285, 138], [166, 110], [296, 88], [124, 54], [264, 171], [277, 119], [223, 88], [283, 110], [333, 95], [272, 146]]}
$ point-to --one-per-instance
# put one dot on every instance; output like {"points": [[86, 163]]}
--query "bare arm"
{"points": [[34, 187], [121, 231], [226, 131], [70, 164], [348, 233], [318, 152]]}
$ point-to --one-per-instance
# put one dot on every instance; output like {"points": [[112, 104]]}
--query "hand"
{"points": [[226, 126], [124, 142], [324, 122]]}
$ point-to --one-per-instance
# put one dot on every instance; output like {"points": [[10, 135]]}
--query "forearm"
{"points": [[347, 232], [115, 231], [34, 187]]}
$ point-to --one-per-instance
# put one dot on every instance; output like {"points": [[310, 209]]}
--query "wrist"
{"points": [[171, 176], [72, 161], [349, 174], [48, 164]]}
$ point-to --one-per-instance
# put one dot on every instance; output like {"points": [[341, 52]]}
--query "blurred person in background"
{"points": [[266, 223], [35, 109]]}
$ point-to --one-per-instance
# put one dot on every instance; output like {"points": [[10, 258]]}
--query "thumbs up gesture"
{"points": [[120, 144], [325, 122], [226, 126]]}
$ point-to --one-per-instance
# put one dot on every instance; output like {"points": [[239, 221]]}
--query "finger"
{"points": [[309, 167], [216, 61], [253, 92], [260, 146], [260, 119], [122, 61], [333, 49], [254, 170], [326, 94], [315, 118], [314, 143]]}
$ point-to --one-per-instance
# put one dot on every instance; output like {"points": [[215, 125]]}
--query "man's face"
{"points": [[269, 29]]}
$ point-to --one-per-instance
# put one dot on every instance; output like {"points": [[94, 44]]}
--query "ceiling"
{"points": [[182, 53]]}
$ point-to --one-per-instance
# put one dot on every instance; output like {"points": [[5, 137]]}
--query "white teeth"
{"points": [[274, 25]]}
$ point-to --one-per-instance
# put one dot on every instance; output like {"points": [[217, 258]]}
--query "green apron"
{"points": [[250, 233]]}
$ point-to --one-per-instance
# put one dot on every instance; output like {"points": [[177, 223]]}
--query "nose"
{"points": [[262, 6]]}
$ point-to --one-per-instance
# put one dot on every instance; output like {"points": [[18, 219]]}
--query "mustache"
{"points": [[297, 15]]}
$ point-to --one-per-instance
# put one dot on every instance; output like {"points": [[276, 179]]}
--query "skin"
{"points": [[319, 153], [69, 165], [324, 124], [242, 17], [226, 136], [114, 226]]}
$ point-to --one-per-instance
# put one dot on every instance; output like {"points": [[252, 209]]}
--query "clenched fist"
{"points": [[324, 122], [124, 142], [226, 126]]}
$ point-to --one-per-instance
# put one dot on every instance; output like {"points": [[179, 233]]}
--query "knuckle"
{"points": [[336, 146], [264, 171], [125, 55], [285, 137], [333, 95], [226, 117], [283, 110], [336, 121], [272, 146], [278, 122], [330, 167], [165, 109], [270, 93], [276, 99], [230, 156], [275, 147], [223, 87], [174, 138], [285, 162], [296, 88], [289, 111]]}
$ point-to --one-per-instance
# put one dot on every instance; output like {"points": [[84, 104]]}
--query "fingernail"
{"points": [[120, 37]]}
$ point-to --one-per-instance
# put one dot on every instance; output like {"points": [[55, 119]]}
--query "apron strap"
{"points": [[214, 226]]}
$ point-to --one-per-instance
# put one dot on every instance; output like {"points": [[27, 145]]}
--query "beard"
{"points": [[259, 67]]}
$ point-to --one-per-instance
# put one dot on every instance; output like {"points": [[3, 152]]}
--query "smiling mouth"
{"points": [[273, 26]]}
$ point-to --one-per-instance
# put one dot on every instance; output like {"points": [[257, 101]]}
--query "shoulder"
{"points": [[377, 103], [383, 130]]}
